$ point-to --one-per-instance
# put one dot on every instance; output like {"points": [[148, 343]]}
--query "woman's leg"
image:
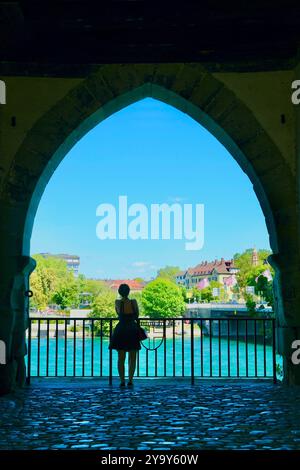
{"points": [[132, 363], [121, 365]]}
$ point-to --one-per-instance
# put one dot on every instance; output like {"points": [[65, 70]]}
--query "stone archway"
{"points": [[191, 89]]}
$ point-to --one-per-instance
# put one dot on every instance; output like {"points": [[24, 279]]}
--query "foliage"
{"points": [[103, 307], [205, 295], [104, 304], [266, 288], [92, 286], [169, 272], [41, 295], [51, 277], [243, 261], [162, 298], [207, 292], [262, 285], [248, 274], [250, 304], [184, 293], [52, 282], [138, 297], [67, 294]]}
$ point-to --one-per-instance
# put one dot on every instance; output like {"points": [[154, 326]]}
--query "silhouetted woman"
{"points": [[125, 337]]}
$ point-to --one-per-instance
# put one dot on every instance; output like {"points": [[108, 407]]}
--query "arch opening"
{"points": [[148, 90], [199, 94], [205, 131]]}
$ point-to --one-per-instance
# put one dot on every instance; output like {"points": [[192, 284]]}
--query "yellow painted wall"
{"points": [[27, 99], [268, 95]]}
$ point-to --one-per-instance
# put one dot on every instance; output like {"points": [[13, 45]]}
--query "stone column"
{"points": [[287, 305], [14, 319], [289, 264]]}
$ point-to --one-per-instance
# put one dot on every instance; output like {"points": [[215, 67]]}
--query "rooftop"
{"points": [[221, 266], [133, 284], [61, 255]]}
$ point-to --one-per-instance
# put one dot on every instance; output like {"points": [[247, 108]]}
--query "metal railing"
{"points": [[176, 347]]}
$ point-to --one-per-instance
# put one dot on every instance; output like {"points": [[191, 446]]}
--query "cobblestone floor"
{"points": [[155, 414]]}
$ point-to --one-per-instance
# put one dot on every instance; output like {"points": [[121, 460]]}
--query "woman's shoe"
{"points": [[130, 384], [122, 384]]}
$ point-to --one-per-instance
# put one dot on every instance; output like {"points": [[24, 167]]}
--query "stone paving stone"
{"points": [[153, 416]]}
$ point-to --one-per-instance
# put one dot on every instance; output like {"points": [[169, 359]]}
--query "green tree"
{"points": [[169, 272], [250, 304], [196, 294], [67, 293], [41, 296], [265, 287], [162, 298], [138, 297], [248, 274], [103, 307], [206, 294], [243, 261], [262, 285], [94, 287], [53, 282], [50, 274], [184, 293]]}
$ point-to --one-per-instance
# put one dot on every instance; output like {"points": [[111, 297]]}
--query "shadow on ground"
{"points": [[158, 414]]}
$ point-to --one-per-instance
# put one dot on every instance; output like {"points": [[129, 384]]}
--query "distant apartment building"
{"points": [[218, 270], [73, 261]]}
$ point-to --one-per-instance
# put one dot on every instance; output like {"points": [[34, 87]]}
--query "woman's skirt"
{"points": [[125, 336]]}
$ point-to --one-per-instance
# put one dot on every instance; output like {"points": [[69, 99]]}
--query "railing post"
{"points": [[56, 348], [274, 350], [211, 325], [182, 345], [201, 346], [92, 349], [110, 353], [66, 349], [165, 348], [74, 350], [29, 353], [39, 347], [192, 353], [83, 347]]}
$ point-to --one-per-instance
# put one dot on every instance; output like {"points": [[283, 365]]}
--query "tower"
{"points": [[254, 257]]}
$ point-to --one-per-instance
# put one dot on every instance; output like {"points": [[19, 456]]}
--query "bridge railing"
{"points": [[175, 347]]}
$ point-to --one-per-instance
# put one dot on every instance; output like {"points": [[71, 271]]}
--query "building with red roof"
{"points": [[132, 283], [216, 270]]}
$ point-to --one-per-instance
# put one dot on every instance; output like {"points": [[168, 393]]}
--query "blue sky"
{"points": [[152, 153]]}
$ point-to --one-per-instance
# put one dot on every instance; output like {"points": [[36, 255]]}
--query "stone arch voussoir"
{"points": [[190, 88]]}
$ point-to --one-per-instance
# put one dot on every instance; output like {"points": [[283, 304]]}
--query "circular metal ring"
{"points": [[153, 349], [28, 293]]}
